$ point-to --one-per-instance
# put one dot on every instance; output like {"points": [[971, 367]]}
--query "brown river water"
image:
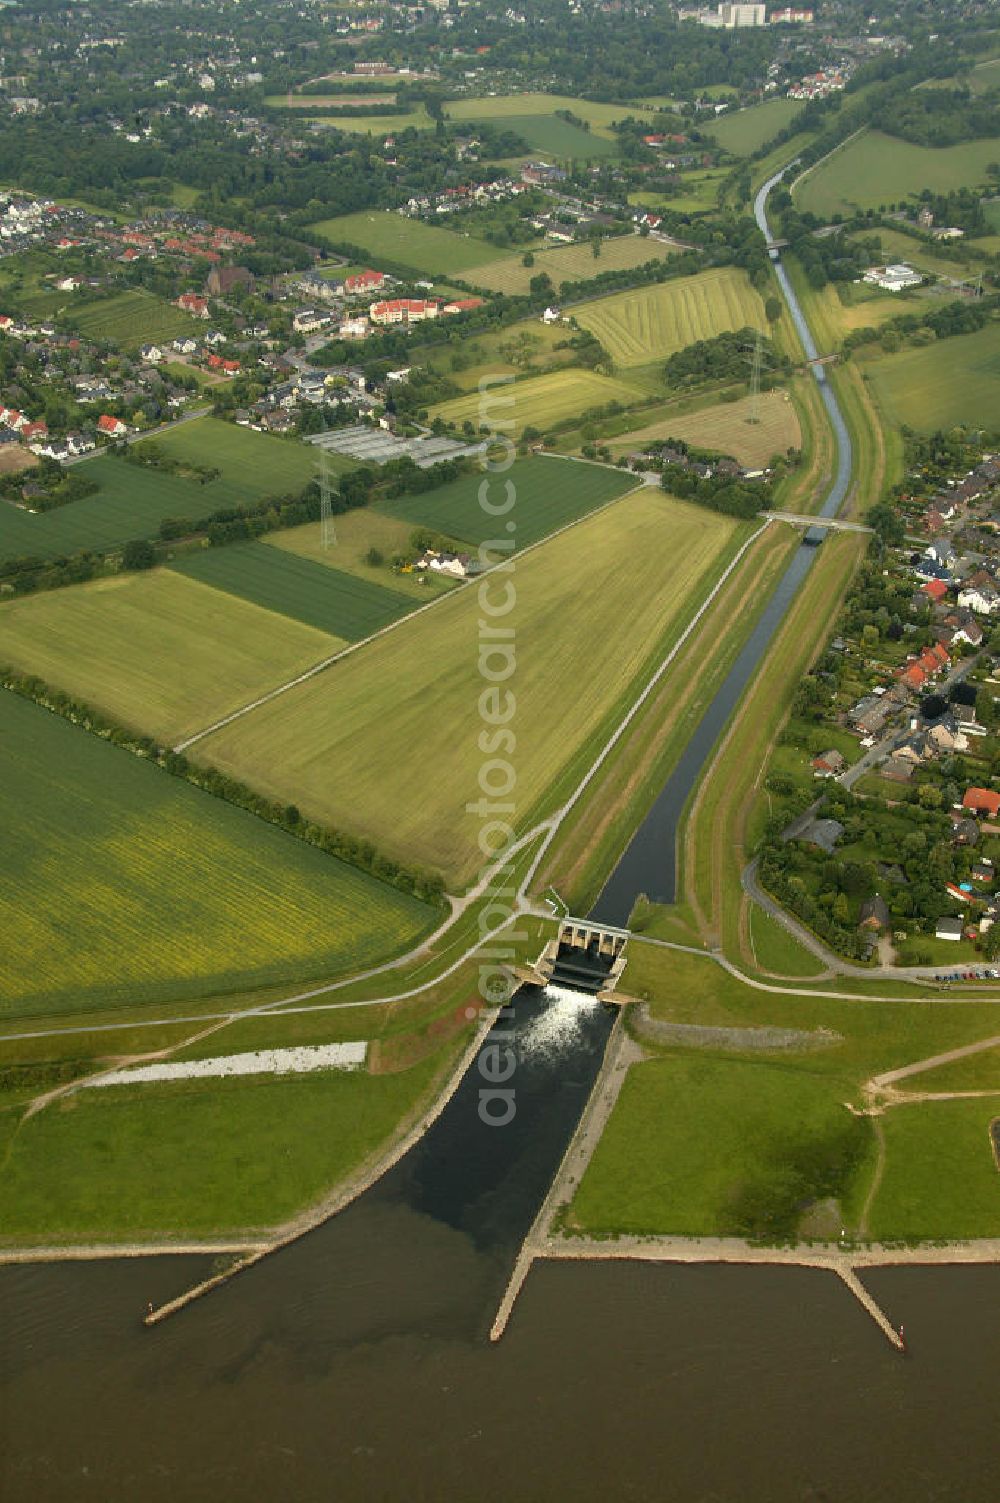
{"points": [[355, 1364]]}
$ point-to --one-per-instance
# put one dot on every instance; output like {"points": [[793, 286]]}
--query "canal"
{"points": [[354, 1364]]}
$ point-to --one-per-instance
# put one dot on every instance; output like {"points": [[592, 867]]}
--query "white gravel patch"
{"points": [[260, 1062]]}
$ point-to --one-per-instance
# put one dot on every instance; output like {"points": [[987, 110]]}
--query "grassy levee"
{"points": [[715, 844], [124, 886], [604, 586], [773, 949], [200, 1157], [603, 821], [720, 1142]]}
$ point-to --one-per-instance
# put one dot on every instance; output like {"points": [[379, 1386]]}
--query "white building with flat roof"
{"points": [[893, 278]]}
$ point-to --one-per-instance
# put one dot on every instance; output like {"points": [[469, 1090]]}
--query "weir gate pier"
{"points": [[586, 957]]}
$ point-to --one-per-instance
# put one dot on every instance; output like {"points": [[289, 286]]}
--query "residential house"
{"points": [[222, 279], [935, 590], [308, 320], [980, 594], [151, 354], [948, 928], [942, 552], [874, 914], [829, 764], [111, 427], [364, 282], [190, 302], [983, 871], [982, 801]]}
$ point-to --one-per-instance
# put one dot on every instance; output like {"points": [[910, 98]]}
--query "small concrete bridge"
{"points": [[828, 524]]}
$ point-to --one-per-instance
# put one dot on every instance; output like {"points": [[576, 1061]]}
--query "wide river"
{"points": [[355, 1364]]}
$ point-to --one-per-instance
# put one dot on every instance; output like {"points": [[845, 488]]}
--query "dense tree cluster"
{"points": [[725, 357]]}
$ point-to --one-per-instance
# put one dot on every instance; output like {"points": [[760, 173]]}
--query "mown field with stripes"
{"points": [[651, 323]]}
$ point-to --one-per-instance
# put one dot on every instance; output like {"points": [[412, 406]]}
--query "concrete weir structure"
{"points": [[587, 956]]}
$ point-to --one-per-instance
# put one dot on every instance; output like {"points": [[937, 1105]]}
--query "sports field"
{"points": [[325, 598], [547, 494], [650, 323], [394, 237], [952, 381], [875, 169], [592, 607], [161, 652], [747, 130], [121, 884], [132, 319], [569, 263], [356, 532], [726, 428], [253, 465], [542, 400]]}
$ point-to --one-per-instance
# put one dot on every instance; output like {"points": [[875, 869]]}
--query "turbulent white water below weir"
{"points": [[560, 1025], [296, 1061]]}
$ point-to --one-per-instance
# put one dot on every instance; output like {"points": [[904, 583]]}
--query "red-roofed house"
{"points": [[190, 302], [111, 427], [936, 589], [462, 305], [982, 801], [403, 310], [913, 677], [364, 281]]}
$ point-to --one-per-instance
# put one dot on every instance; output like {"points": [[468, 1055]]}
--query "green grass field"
{"points": [[504, 107], [719, 1139], [568, 263], [131, 319], [746, 131], [518, 349], [358, 531], [650, 323], [161, 652], [122, 884], [726, 428], [541, 401], [253, 465], [952, 381], [133, 501], [394, 237], [548, 494], [556, 138], [326, 598], [196, 1157], [388, 124], [875, 169], [940, 1175], [593, 608]]}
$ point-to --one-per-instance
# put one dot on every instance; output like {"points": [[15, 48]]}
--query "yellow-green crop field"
{"points": [[544, 400], [875, 169], [160, 652], [121, 884], [569, 263], [594, 607], [650, 323], [357, 532], [726, 428]]}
